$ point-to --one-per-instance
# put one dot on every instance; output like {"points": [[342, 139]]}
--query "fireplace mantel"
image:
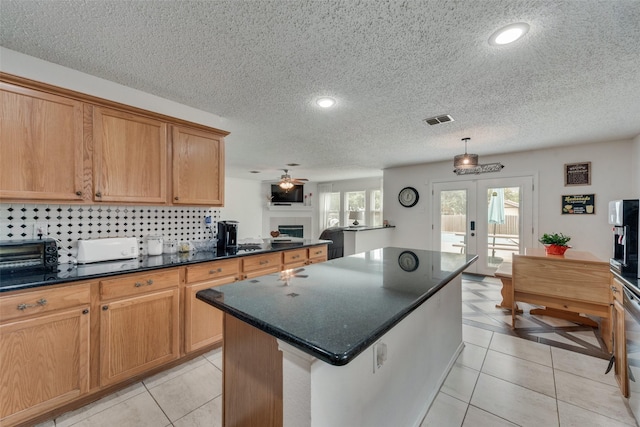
{"points": [[292, 208]]}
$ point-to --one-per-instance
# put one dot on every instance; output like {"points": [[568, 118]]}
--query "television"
{"points": [[293, 195]]}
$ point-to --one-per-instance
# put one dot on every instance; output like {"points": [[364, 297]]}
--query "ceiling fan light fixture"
{"points": [[465, 161], [508, 34], [286, 185], [326, 102]]}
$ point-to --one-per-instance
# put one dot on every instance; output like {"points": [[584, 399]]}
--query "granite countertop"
{"points": [[366, 228], [336, 309], [74, 272]]}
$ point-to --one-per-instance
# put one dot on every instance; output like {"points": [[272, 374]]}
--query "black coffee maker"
{"points": [[227, 236]]}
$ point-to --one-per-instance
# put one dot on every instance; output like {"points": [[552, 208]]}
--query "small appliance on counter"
{"points": [[227, 236], [107, 249], [624, 216], [28, 255]]}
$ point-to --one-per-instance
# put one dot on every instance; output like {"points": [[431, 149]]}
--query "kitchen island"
{"points": [[362, 340]]}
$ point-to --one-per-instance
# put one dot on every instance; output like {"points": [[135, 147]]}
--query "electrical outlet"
{"points": [[40, 229], [379, 355]]}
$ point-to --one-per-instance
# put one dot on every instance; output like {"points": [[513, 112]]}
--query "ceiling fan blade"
{"points": [[300, 179]]}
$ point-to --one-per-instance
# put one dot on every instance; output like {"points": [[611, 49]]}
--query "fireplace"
{"points": [[291, 230], [303, 225]]}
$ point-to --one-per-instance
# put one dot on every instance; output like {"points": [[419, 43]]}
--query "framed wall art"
{"points": [[578, 204], [577, 174]]}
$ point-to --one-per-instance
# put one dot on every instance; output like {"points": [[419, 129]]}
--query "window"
{"points": [[333, 212], [355, 208], [376, 208]]}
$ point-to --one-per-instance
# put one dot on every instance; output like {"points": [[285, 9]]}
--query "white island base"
{"points": [[420, 351]]}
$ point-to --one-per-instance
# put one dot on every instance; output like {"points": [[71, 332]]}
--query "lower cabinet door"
{"points": [[137, 334], [620, 348], [44, 363], [203, 323]]}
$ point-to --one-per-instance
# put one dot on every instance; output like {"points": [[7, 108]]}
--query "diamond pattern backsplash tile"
{"points": [[70, 223]]}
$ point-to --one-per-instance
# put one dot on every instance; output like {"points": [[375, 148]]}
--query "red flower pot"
{"points": [[556, 249]]}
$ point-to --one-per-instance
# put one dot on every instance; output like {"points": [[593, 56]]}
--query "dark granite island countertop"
{"points": [[336, 309]]}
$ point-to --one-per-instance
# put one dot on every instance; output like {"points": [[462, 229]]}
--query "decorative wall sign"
{"points": [[577, 174], [579, 204], [476, 170]]}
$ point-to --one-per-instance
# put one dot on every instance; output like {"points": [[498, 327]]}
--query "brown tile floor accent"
{"points": [[480, 294]]}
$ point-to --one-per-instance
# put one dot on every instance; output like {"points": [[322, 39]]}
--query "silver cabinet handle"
{"points": [[614, 289], [264, 262], [41, 302], [98, 194], [137, 284], [149, 282], [219, 270]]}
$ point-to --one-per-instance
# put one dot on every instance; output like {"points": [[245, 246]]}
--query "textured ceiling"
{"points": [[574, 78]]}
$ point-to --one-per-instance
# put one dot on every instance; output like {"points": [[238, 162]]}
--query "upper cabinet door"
{"points": [[40, 145], [130, 157], [198, 167]]}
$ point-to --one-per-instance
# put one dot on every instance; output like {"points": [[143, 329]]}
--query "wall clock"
{"points": [[408, 197], [408, 261]]}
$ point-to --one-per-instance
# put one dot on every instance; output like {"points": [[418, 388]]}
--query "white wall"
{"points": [[243, 203], [613, 163], [635, 169], [36, 69]]}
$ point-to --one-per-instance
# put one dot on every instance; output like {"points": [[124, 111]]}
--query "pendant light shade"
{"points": [[465, 161]]}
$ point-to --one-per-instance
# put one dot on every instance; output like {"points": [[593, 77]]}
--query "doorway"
{"points": [[492, 218]]}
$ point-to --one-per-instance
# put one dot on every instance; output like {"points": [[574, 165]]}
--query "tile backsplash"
{"points": [[70, 223]]}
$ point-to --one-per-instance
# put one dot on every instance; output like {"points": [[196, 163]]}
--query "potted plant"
{"points": [[555, 243]]}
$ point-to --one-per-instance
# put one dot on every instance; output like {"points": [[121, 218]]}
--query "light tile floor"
{"points": [[498, 380]]}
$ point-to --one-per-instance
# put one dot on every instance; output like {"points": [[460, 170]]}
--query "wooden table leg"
{"points": [[507, 293]]}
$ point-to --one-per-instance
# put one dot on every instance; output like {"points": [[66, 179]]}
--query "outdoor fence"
{"points": [[457, 224]]}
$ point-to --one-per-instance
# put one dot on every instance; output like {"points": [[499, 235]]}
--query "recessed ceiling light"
{"points": [[326, 102], [508, 34]]}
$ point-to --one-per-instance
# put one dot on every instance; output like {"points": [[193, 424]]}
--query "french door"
{"points": [[492, 218]]}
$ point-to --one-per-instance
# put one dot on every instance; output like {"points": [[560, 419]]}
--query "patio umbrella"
{"points": [[496, 214]]}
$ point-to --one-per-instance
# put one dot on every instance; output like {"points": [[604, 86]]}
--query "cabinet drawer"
{"points": [[294, 257], [318, 253], [138, 283], [261, 262], [43, 301], [213, 270], [616, 290]]}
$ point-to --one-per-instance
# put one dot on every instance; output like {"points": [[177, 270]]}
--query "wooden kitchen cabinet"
{"points": [[295, 258], [44, 350], [41, 151], [202, 322], [129, 157], [619, 336], [317, 254], [259, 265], [198, 167], [139, 323]]}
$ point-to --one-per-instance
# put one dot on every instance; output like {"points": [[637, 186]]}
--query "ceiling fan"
{"points": [[287, 183]]}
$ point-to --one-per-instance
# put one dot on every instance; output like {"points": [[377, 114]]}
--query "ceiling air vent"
{"points": [[438, 119]]}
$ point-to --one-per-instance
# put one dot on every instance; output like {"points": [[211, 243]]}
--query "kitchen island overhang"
{"points": [[367, 293], [332, 313]]}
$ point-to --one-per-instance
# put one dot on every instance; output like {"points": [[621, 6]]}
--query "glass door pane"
{"points": [[503, 224], [454, 213], [453, 221], [505, 209]]}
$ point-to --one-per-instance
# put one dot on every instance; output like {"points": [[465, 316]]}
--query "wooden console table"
{"points": [[566, 285]]}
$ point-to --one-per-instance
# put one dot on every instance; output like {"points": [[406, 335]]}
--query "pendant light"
{"points": [[465, 161]]}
